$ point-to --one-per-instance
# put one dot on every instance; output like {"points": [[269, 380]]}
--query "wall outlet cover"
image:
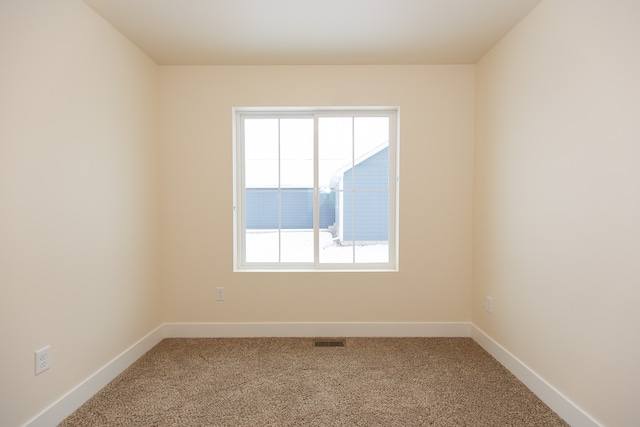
{"points": [[43, 360], [489, 305]]}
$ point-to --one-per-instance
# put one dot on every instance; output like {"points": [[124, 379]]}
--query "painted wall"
{"points": [[78, 199], [557, 201], [436, 137]]}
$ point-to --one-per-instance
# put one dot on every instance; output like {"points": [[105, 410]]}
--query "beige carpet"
{"points": [[289, 382]]}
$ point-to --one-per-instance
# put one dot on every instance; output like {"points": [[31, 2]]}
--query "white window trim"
{"points": [[238, 189]]}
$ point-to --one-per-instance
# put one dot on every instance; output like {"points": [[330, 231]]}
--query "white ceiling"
{"points": [[318, 32]]}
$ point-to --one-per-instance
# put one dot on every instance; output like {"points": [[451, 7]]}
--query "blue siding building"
{"points": [[293, 205], [362, 200], [356, 209]]}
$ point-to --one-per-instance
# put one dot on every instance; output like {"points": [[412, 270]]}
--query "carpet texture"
{"points": [[289, 382]]}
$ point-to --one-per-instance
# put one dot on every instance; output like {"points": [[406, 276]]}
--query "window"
{"points": [[315, 189]]}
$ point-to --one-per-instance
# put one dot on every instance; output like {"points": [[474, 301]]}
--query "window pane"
{"points": [[297, 225], [327, 200], [335, 149], [328, 233], [336, 247], [296, 153], [371, 230], [369, 134], [262, 223], [371, 150], [335, 156], [261, 153]]}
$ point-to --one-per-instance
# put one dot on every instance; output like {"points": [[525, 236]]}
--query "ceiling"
{"points": [[306, 32]]}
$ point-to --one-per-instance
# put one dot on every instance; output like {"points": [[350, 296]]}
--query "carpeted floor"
{"points": [[289, 382]]}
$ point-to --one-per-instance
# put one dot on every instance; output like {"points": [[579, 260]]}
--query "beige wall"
{"points": [[553, 182], [557, 201], [77, 199], [436, 108]]}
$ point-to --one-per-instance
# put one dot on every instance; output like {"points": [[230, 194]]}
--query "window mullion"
{"points": [[353, 189], [241, 195], [279, 194], [316, 193]]}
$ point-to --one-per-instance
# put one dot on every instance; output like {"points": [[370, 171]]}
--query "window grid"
{"points": [[241, 190]]}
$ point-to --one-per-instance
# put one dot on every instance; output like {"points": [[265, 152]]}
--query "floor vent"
{"points": [[329, 343]]}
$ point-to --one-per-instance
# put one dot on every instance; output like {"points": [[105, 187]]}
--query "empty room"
{"points": [[348, 212]]}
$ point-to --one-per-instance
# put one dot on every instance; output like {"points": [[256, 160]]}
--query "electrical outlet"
{"points": [[219, 294], [43, 360], [489, 306]]}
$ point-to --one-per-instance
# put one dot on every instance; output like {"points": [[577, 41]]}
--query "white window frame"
{"points": [[239, 113]]}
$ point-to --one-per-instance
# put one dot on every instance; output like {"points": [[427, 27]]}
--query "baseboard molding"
{"points": [[558, 402], [71, 401], [366, 329]]}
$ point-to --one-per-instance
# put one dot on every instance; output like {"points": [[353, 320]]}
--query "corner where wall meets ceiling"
{"points": [[333, 32]]}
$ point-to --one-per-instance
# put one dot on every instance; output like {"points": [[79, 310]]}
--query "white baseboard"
{"points": [[67, 404], [559, 403], [71, 401], [255, 330]]}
